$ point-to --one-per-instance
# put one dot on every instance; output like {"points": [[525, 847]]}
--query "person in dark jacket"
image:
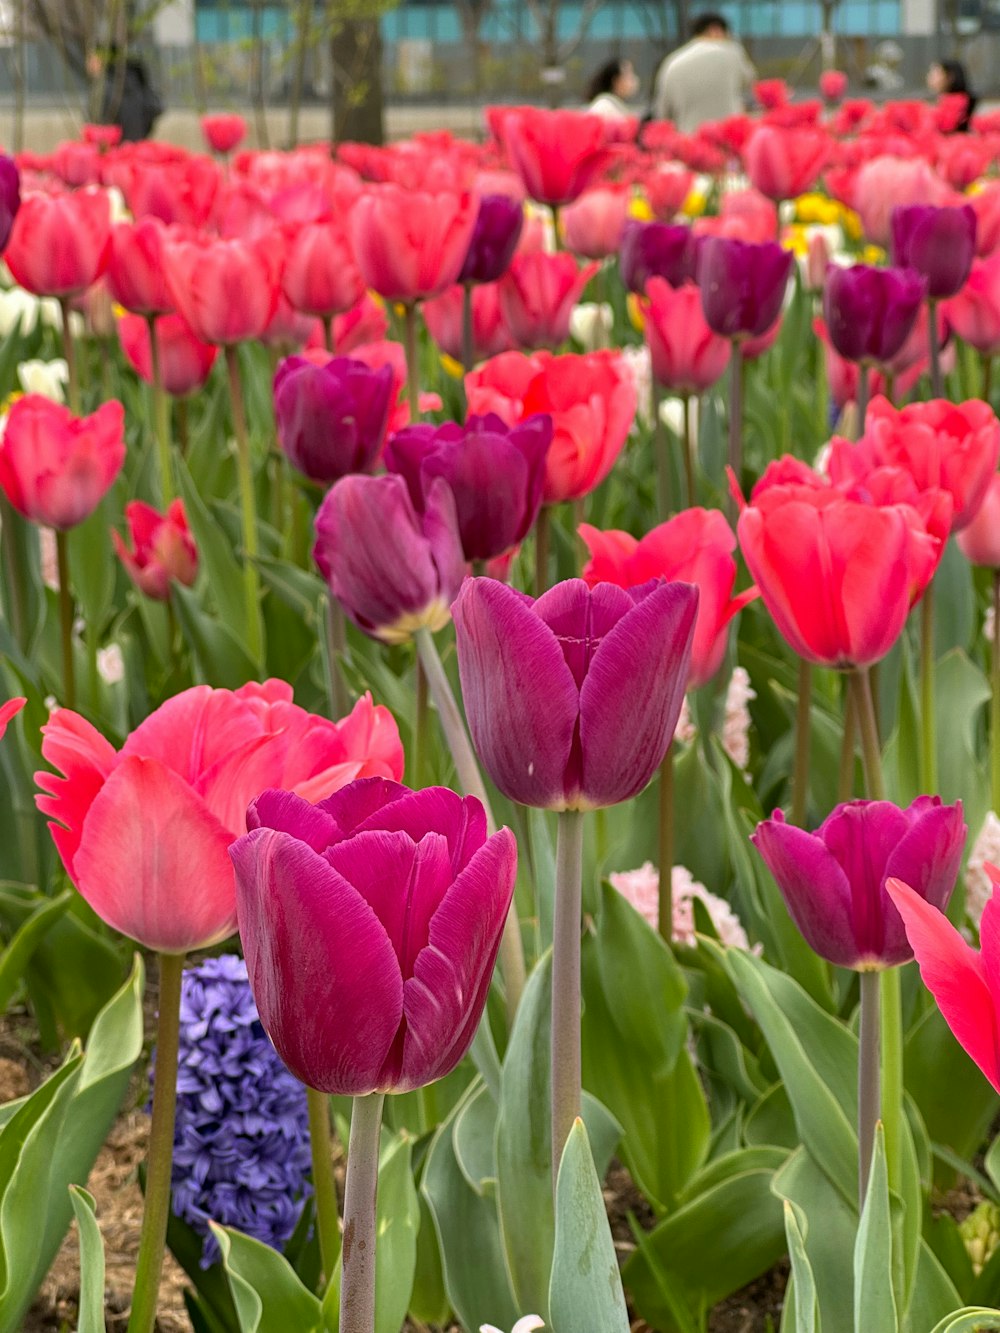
{"points": [[947, 77], [129, 99]]}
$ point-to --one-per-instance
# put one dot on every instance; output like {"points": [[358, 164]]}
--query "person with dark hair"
{"points": [[947, 77], [707, 79], [610, 88], [129, 98]]}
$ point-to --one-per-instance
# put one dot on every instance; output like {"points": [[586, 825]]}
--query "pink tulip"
{"points": [[59, 244], [226, 290], [185, 361], [223, 131], [886, 182], [321, 276], [537, 296], [979, 541], [784, 163], [135, 276], [687, 357], [490, 334], [410, 244], [593, 224], [9, 710], [162, 549], [557, 154], [974, 313]]}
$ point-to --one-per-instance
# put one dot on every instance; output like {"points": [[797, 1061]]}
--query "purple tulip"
{"points": [[332, 419], [657, 250], [742, 284], [10, 197], [940, 243], [833, 880], [572, 699], [870, 312], [496, 473], [494, 238], [370, 924], [393, 570]]}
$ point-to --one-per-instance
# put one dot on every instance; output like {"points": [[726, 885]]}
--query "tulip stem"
{"points": [[735, 422], [183, 426], [800, 771], [244, 469], [420, 727], [336, 647], [662, 451], [566, 1058], [987, 378], [995, 698], [160, 1155], [928, 729], [892, 1071], [321, 1148], [161, 424], [69, 351], [16, 579], [329, 340], [471, 781], [542, 551], [357, 1288], [871, 753], [869, 1097], [412, 368], [845, 776], [66, 621], [689, 446], [467, 326], [665, 913], [862, 403], [934, 346]]}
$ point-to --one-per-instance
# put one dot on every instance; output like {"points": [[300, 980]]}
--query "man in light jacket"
{"points": [[707, 79]]}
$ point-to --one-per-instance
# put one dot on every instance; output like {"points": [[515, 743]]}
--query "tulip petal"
{"points": [[323, 970], [520, 697], [955, 974], [81, 753], [631, 698], [443, 1000], [288, 812], [461, 819], [350, 807], [153, 860]]}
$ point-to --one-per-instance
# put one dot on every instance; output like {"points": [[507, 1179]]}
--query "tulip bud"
{"points": [[163, 549], [870, 312], [332, 419], [742, 284], [537, 296], [657, 250], [980, 1232], [940, 243], [494, 239], [223, 131], [185, 361], [10, 197]]}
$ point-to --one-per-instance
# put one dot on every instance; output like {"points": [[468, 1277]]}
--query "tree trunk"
{"points": [[257, 75], [303, 37], [356, 81]]}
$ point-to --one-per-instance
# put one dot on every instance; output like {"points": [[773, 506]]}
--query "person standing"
{"points": [[129, 98], [707, 79], [610, 89]]}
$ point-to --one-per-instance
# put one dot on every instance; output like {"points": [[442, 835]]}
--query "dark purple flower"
{"points": [[833, 880], [393, 570], [10, 197], [494, 238], [742, 284], [332, 419], [496, 473], [657, 250], [870, 312], [572, 699], [940, 243], [241, 1137]]}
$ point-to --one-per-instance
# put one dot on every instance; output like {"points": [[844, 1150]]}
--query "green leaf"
{"points": [[973, 1319], [828, 1236], [223, 573], [586, 1294], [92, 564], [18, 952], [807, 1317], [874, 1299], [268, 1296], [220, 657], [91, 1313]]}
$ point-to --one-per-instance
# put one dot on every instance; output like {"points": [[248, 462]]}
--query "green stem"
{"points": [[892, 1072], [336, 642], [248, 506], [566, 1058], [357, 1289], [870, 750], [934, 346], [890, 387], [800, 772], [689, 448], [542, 550], [735, 422], [995, 698], [421, 724], [324, 1185], [662, 452], [928, 729], [467, 327], [845, 776], [15, 580], [665, 916], [869, 1098], [412, 366], [69, 351], [471, 781], [161, 421], [66, 621], [987, 378], [862, 403], [556, 236], [161, 1149], [329, 341], [183, 426]]}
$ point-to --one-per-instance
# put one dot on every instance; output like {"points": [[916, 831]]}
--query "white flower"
{"points": [[119, 208], [49, 558], [111, 664], [18, 305], [988, 625], [685, 731], [525, 1325], [736, 726], [49, 378], [978, 885], [637, 362], [590, 324], [641, 888], [672, 416]]}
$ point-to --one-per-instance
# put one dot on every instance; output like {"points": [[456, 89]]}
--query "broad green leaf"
{"points": [[91, 1314], [586, 1294], [221, 658], [92, 564], [973, 1319], [475, 1142], [428, 1300], [807, 1317], [934, 1294], [957, 1104], [223, 573], [874, 1299], [268, 1296], [831, 1224], [18, 952]]}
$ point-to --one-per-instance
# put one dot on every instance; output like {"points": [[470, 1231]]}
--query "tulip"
{"points": [[783, 163], [371, 924], [136, 274], [833, 85], [656, 250], [771, 94], [55, 468], [10, 197], [870, 312], [986, 206], [393, 570], [8, 710], [185, 361], [163, 549], [666, 190], [979, 540], [321, 276], [537, 296], [938, 242], [594, 222], [693, 547], [557, 154], [332, 419], [833, 881], [102, 136], [59, 242], [226, 290], [223, 131], [687, 356], [443, 316], [496, 474], [572, 699], [961, 979], [974, 313], [410, 244], [500, 384], [494, 238], [742, 284], [887, 182]]}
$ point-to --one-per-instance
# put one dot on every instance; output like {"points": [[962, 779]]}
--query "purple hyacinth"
{"points": [[241, 1140]]}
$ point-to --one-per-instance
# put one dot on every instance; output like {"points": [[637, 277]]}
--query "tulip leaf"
{"points": [[960, 691], [91, 1315], [93, 565], [874, 1267], [220, 657], [268, 1296], [18, 952], [475, 1142], [807, 1316], [586, 1294], [972, 1319], [828, 1235], [222, 572]]}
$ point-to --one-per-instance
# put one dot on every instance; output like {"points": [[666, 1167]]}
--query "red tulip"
{"points": [[594, 222], [979, 540], [185, 361], [163, 549], [686, 355], [490, 334], [693, 547], [499, 384], [666, 189], [974, 313], [59, 244], [537, 295], [410, 244], [130, 825], [986, 205], [55, 468], [8, 710], [321, 276], [833, 84], [784, 163], [181, 191], [136, 276], [557, 154], [223, 131], [226, 290]]}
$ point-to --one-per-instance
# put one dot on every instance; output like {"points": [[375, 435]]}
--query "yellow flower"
{"points": [[851, 224], [694, 204], [796, 239], [638, 207], [451, 366], [872, 254], [810, 207], [9, 401], [635, 312]]}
